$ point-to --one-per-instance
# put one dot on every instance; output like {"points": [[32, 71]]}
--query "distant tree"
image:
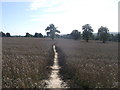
{"points": [[75, 34], [96, 38], [38, 35], [87, 33], [103, 33], [52, 29], [66, 36], [2, 34], [28, 35], [111, 37], [8, 35], [57, 36], [117, 37]]}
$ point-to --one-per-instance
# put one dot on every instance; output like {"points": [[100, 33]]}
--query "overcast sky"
{"points": [[34, 16]]}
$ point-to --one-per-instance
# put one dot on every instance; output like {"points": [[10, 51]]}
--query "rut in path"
{"points": [[54, 80]]}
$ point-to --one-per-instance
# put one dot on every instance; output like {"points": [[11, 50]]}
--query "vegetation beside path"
{"points": [[26, 62], [88, 65]]}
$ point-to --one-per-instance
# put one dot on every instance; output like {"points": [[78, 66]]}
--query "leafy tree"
{"points": [[87, 33], [103, 33], [111, 37], [117, 37], [38, 35], [75, 34], [2, 34], [28, 35], [8, 35], [52, 29]]}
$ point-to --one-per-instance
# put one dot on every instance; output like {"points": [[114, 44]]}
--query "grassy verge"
{"points": [[66, 73], [88, 65], [26, 62]]}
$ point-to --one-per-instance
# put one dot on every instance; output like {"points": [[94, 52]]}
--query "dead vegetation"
{"points": [[26, 62], [88, 65]]}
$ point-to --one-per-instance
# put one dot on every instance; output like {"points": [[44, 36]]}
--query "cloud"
{"points": [[70, 15], [37, 4]]}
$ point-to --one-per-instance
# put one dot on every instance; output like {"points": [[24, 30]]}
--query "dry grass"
{"points": [[91, 64], [26, 62]]}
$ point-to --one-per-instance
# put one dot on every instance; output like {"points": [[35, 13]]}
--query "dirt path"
{"points": [[55, 81]]}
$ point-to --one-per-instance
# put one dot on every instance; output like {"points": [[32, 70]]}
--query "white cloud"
{"points": [[37, 4], [75, 13]]}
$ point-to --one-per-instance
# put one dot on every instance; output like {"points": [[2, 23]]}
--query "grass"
{"points": [[88, 65], [26, 62]]}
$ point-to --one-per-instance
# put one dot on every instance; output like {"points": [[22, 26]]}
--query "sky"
{"points": [[21, 16]]}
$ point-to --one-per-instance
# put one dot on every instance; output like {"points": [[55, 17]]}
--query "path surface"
{"points": [[55, 81]]}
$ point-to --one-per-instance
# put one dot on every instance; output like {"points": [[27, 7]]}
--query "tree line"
{"points": [[87, 34], [39, 35], [2, 34]]}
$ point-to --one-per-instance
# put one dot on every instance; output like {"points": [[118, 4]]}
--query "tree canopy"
{"points": [[103, 33], [2, 34], [75, 34], [8, 35], [38, 35], [52, 30], [28, 35], [87, 33]]}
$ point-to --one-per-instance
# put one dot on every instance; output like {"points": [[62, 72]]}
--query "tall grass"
{"points": [[26, 62], [88, 65]]}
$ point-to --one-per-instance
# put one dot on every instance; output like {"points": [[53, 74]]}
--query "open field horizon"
{"points": [[26, 62]]}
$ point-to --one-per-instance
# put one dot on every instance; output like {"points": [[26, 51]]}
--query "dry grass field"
{"points": [[88, 65], [26, 62]]}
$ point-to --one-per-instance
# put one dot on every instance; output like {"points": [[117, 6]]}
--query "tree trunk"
{"points": [[104, 41]]}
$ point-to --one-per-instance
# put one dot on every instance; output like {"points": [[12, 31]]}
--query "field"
{"points": [[89, 65], [26, 62]]}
